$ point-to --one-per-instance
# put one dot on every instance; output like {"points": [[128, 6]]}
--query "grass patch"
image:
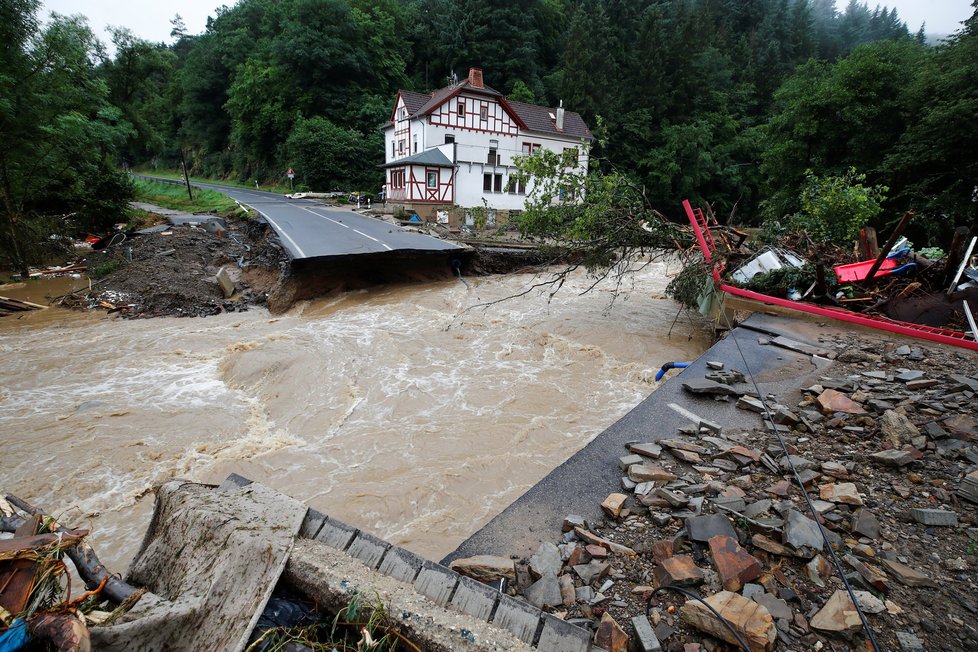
{"points": [[175, 198], [266, 187]]}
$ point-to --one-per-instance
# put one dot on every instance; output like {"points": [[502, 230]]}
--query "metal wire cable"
{"points": [[690, 594], [811, 507]]}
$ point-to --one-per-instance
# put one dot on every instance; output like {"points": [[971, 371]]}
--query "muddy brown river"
{"points": [[407, 411]]}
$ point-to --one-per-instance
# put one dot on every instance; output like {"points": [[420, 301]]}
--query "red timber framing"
{"points": [[414, 184], [499, 118], [402, 129], [704, 238]]}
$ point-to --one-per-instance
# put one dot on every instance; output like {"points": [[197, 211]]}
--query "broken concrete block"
{"points": [[893, 457], [560, 636], [680, 570], [934, 517], [485, 568], [647, 449], [704, 528], [587, 572], [649, 473], [802, 532], [897, 428], [865, 524], [572, 521], [748, 618], [735, 565], [841, 492], [709, 388], [610, 636], [545, 592], [906, 575], [627, 460], [646, 639], [613, 504], [909, 643], [751, 404], [545, 561], [225, 282], [831, 401], [838, 615]]}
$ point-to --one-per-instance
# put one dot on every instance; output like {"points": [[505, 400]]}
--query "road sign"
{"points": [[291, 174]]}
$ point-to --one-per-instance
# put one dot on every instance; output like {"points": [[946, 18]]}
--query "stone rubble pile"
{"points": [[886, 445]]}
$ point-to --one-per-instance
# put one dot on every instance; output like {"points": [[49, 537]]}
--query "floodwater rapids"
{"points": [[412, 412]]}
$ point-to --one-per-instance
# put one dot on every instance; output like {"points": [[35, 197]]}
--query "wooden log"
{"points": [[869, 248], [885, 251], [86, 562], [19, 547]]}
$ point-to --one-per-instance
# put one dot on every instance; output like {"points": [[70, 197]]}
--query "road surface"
{"points": [[308, 229]]}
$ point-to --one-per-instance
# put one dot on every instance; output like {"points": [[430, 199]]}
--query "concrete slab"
{"points": [[336, 533], [579, 485], [368, 549], [436, 583], [519, 617], [474, 598], [560, 636], [311, 524], [401, 564]]}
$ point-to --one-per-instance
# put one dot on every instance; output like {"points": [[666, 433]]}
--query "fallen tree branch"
{"points": [[90, 569]]}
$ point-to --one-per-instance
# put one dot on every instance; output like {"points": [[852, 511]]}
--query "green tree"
{"points": [[830, 117], [934, 165], [59, 131], [328, 157]]}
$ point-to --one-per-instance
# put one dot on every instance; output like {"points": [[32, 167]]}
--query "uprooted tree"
{"points": [[601, 221]]}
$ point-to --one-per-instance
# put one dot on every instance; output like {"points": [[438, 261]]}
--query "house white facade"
{"points": [[454, 149]]}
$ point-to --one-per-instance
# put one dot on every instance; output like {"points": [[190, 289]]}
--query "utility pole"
{"points": [[186, 177]]}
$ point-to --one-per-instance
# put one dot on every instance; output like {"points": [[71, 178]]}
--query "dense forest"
{"points": [[727, 101]]}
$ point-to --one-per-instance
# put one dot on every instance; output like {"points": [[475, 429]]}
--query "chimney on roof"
{"points": [[560, 116], [475, 77]]}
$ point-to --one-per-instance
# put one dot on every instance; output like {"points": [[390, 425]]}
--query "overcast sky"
{"points": [[150, 19]]}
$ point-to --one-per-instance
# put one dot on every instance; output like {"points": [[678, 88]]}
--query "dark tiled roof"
{"points": [[537, 118], [432, 157], [443, 94], [414, 101]]}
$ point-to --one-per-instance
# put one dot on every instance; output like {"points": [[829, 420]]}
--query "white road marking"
{"points": [[280, 230], [686, 413], [345, 226]]}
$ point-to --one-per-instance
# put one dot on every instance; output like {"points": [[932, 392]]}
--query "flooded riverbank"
{"points": [[404, 410]]}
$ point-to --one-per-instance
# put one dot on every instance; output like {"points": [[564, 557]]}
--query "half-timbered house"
{"points": [[453, 150]]}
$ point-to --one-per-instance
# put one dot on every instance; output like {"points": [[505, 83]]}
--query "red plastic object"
{"points": [[859, 271], [940, 335]]}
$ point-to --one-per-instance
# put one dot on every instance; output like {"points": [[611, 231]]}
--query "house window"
{"points": [[432, 179], [498, 183], [402, 113], [393, 149], [400, 146], [415, 150], [486, 183], [449, 138], [570, 156], [484, 113], [460, 108], [566, 193], [493, 158], [529, 148], [516, 186]]}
